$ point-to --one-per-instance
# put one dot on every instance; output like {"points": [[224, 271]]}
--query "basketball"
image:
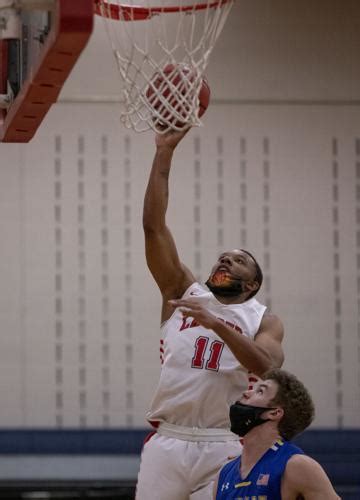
{"points": [[169, 92]]}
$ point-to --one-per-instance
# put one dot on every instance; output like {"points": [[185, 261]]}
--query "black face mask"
{"points": [[243, 418]]}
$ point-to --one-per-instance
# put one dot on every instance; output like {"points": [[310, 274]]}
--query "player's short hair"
{"points": [[258, 273], [293, 397]]}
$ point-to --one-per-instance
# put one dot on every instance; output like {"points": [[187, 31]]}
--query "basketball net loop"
{"points": [[181, 35]]}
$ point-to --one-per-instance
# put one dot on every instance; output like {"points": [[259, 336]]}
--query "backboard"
{"points": [[40, 42]]}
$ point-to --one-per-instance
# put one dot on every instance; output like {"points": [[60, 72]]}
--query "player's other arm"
{"points": [[172, 277], [257, 356], [305, 478], [269, 340], [261, 354]]}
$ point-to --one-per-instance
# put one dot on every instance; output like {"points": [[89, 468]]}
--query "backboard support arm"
{"points": [[71, 27]]}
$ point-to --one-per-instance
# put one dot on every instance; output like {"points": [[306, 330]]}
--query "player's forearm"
{"points": [[157, 192], [246, 351]]}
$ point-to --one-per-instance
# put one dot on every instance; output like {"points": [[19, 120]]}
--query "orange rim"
{"points": [[137, 13]]}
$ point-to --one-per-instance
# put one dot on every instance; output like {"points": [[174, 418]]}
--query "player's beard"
{"points": [[224, 284]]}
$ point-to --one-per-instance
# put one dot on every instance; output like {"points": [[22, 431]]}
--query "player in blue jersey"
{"points": [[270, 466]]}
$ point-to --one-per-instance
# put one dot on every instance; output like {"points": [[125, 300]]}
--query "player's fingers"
{"points": [[185, 302], [185, 311], [179, 303], [190, 313]]}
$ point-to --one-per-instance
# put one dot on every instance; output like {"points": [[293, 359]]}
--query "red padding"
{"points": [[71, 28]]}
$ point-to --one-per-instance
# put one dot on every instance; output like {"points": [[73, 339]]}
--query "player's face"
{"points": [[234, 264], [264, 391]]}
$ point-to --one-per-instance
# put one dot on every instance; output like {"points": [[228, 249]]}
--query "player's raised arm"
{"points": [[162, 257]]}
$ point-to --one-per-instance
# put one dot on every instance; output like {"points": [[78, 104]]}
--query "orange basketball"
{"points": [[176, 83]]}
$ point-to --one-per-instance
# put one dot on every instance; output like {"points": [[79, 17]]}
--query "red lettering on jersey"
{"points": [[188, 323], [191, 323], [162, 351], [232, 325]]}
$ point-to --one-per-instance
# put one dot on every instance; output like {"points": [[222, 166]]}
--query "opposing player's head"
{"points": [[235, 272], [279, 398], [295, 400]]}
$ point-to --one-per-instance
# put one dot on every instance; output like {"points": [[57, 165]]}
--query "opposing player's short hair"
{"points": [[293, 397], [258, 273]]}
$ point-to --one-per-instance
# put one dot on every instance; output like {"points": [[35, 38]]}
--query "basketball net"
{"points": [[145, 39]]}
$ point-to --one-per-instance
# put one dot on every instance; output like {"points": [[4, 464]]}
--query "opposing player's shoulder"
{"points": [[302, 469], [300, 462], [304, 475]]}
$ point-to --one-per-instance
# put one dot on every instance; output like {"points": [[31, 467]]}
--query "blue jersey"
{"points": [[264, 480]]}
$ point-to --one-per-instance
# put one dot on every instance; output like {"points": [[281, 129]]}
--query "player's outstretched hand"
{"points": [[170, 138], [195, 309]]}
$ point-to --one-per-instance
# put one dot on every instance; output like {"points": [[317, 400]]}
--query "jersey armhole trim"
{"points": [[185, 294]]}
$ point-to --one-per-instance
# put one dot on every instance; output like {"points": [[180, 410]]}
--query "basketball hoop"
{"points": [[147, 38]]}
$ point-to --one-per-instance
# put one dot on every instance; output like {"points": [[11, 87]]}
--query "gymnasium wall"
{"points": [[275, 169]]}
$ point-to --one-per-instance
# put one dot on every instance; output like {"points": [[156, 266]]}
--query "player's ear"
{"points": [[251, 286], [276, 414]]}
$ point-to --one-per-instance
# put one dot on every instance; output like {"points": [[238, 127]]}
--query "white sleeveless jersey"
{"points": [[200, 377]]}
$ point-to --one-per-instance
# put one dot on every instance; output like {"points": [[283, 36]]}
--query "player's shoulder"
{"points": [[229, 468], [175, 288], [306, 476], [271, 321], [296, 471], [300, 465]]}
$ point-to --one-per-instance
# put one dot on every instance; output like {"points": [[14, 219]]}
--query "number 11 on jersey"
{"points": [[213, 362]]}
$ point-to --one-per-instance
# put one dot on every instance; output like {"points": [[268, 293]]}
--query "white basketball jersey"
{"points": [[200, 377]]}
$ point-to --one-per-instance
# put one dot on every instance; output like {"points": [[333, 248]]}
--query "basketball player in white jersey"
{"points": [[211, 339]]}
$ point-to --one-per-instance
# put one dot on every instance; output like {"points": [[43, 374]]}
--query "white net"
{"points": [[161, 52]]}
